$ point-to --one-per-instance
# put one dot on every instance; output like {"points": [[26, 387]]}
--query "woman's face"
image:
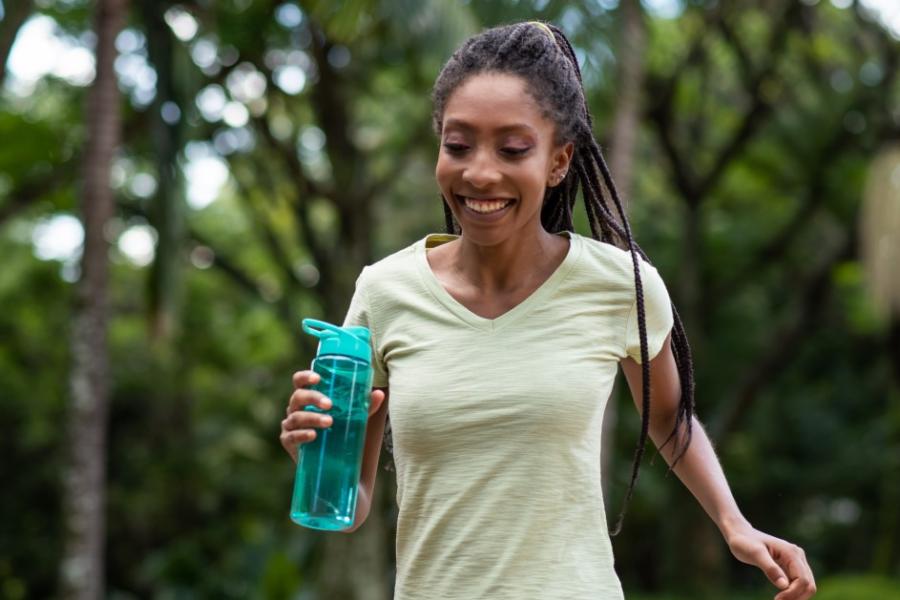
{"points": [[497, 157]]}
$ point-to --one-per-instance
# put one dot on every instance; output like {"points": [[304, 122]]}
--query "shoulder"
{"points": [[615, 266], [389, 270], [611, 262], [603, 252]]}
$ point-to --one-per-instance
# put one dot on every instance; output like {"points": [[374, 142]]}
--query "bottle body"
{"points": [[328, 468]]}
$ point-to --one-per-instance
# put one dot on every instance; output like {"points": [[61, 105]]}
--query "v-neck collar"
{"points": [[521, 309]]}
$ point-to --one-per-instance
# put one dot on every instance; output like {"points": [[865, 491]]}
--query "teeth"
{"points": [[486, 206]]}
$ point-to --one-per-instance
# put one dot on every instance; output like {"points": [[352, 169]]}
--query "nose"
{"points": [[481, 171]]}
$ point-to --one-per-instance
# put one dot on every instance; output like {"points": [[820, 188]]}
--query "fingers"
{"points": [[775, 573], [306, 378], [291, 440], [299, 427], [302, 396], [306, 419], [802, 583]]}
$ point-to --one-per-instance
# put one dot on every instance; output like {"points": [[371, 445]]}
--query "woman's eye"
{"points": [[515, 151], [455, 148]]}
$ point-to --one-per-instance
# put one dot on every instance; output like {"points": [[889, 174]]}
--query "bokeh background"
{"points": [[187, 180]]}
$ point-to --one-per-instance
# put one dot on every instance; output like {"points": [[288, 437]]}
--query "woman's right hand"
{"points": [[299, 426]]}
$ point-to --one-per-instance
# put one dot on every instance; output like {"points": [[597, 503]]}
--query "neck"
{"points": [[509, 264]]}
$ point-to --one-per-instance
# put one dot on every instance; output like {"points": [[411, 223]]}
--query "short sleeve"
{"points": [[657, 312], [360, 313]]}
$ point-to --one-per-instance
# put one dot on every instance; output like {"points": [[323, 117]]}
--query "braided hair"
{"points": [[541, 54]]}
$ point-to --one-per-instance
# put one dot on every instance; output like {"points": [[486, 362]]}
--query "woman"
{"points": [[498, 344]]}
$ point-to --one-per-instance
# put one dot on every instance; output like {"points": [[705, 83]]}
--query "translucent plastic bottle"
{"points": [[328, 468]]}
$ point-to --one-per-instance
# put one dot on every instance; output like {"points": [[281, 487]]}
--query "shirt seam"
{"points": [[633, 309], [373, 319]]}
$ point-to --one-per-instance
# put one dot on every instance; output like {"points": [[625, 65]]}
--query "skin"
{"points": [[494, 266], [500, 148]]}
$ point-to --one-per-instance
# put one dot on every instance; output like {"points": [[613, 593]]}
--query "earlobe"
{"points": [[557, 176], [564, 159]]}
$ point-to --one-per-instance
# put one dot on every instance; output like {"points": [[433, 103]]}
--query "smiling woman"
{"points": [[496, 159], [495, 347]]}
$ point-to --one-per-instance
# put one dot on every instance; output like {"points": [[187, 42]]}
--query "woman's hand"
{"points": [[783, 563], [299, 426]]}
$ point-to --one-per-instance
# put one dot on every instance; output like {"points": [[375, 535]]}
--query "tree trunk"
{"points": [[364, 548], [885, 547], [362, 569], [167, 214], [84, 485], [621, 164]]}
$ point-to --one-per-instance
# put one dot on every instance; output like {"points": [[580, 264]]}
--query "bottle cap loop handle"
{"points": [[346, 341], [320, 328]]}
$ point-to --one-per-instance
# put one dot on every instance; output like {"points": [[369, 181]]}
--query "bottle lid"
{"points": [[346, 341]]}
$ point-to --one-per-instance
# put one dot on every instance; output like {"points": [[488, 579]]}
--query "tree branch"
{"points": [[33, 190], [221, 261], [305, 189], [759, 107], [692, 188], [264, 230], [783, 344], [834, 149]]}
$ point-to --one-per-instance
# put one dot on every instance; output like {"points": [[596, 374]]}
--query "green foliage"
{"points": [[843, 587], [199, 486], [858, 587]]}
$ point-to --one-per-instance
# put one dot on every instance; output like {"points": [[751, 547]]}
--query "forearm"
{"points": [[699, 470]]}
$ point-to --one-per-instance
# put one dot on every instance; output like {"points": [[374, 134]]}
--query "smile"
{"points": [[486, 206]]}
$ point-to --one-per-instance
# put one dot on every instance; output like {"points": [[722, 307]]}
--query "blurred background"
{"points": [[181, 182]]}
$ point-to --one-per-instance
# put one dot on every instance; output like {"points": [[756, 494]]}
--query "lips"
{"points": [[485, 206]]}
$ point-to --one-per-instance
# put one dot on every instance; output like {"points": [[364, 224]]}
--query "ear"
{"points": [[559, 163]]}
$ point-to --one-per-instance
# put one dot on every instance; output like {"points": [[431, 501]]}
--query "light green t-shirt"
{"points": [[497, 422]]}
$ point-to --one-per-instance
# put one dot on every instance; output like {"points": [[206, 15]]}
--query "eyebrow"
{"points": [[502, 129]]}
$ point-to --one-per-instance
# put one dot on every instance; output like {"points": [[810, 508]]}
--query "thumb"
{"points": [[772, 570]]}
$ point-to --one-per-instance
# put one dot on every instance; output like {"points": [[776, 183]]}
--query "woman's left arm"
{"points": [[783, 563]]}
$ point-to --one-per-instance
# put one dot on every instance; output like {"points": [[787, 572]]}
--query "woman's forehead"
{"points": [[495, 126], [497, 102]]}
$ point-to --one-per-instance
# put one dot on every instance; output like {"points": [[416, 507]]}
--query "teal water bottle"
{"points": [[328, 468]]}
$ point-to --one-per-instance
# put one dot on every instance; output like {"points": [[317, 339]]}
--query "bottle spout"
{"points": [[349, 341], [320, 329]]}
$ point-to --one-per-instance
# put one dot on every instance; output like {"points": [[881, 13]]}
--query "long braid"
{"points": [[551, 69], [682, 349], [449, 221]]}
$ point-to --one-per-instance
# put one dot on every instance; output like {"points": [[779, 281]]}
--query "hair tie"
{"points": [[546, 29]]}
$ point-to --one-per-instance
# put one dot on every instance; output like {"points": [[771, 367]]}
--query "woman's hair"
{"points": [[549, 66]]}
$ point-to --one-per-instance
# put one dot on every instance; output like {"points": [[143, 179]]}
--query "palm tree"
{"points": [[82, 574]]}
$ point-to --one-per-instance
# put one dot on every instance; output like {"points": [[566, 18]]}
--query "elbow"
{"points": [[362, 510], [357, 523]]}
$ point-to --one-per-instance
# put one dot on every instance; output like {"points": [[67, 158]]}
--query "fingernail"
{"points": [[782, 582], [326, 403]]}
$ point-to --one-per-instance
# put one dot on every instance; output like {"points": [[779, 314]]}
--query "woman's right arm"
{"points": [[299, 426]]}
